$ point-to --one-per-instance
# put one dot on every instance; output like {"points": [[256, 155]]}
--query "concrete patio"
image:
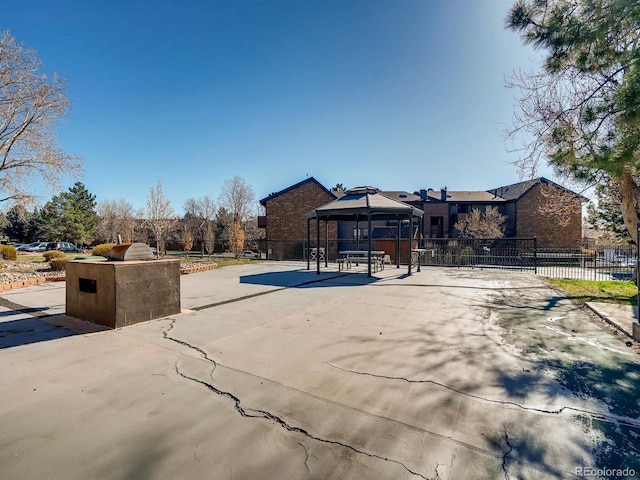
{"points": [[275, 372]]}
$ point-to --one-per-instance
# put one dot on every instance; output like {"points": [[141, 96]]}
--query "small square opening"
{"points": [[87, 285]]}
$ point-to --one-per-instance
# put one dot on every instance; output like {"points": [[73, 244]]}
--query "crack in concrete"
{"points": [[306, 456], [605, 417], [205, 355], [263, 414], [195, 454], [506, 454]]}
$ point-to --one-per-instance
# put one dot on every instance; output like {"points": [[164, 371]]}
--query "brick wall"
{"points": [[286, 216], [538, 214]]}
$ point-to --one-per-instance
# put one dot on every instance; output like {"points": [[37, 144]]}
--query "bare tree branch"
{"points": [[31, 105]]}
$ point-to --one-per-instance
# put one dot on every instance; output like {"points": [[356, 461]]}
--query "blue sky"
{"points": [[397, 94]]}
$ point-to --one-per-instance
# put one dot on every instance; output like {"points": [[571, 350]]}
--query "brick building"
{"points": [[537, 207], [285, 218], [543, 209]]}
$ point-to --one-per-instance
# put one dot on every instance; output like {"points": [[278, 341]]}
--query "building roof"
{"points": [[517, 190], [334, 194], [401, 196], [472, 196], [363, 201], [498, 195]]}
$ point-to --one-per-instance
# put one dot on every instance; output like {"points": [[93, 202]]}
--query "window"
{"points": [[364, 233]]}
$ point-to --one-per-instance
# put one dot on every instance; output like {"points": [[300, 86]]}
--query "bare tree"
{"points": [[209, 237], [236, 239], [159, 215], [198, 213], [187, 239], [489, 224], [238, 198], [252, 232], [116, 218], [31, 104]]}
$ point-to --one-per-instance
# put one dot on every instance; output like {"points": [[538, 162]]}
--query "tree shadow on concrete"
{"points": [[576, 364]]}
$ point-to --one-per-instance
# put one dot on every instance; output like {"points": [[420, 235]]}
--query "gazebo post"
{"points": [[326, 243], [409, 243], [308, 242], [398, 239], [318, 245], [369, 243]]}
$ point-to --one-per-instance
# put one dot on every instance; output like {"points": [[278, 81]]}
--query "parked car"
{"points": [[38, 247], [250, 254], [62, 247], [29, 247]]}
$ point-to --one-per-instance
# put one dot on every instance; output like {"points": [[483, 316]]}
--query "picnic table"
{"points": [[354, 256]]}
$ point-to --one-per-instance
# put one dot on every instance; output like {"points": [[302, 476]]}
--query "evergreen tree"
{"points": [[20, 224], [69, 216], [580, 111], [224, 221], [605, 216]]}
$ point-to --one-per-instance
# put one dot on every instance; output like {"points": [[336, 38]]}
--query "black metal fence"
{"points": [[592, 262], [503, 253], [589, 262]]}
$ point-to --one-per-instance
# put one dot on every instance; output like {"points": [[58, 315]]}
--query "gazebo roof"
{"points": [[359, 203]]}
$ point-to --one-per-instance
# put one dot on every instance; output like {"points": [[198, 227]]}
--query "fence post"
{"points": [[638, 268], [535, 255]]}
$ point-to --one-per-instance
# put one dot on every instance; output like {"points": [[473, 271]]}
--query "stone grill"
{"points": [[131, 251]]}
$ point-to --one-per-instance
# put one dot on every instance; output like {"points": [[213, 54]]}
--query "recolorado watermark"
{"points": [[592, 472]]}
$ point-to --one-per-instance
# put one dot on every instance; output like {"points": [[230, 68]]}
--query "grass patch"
{"points": [[221, 261], [613, 291], [226, 262], [32, 257]]}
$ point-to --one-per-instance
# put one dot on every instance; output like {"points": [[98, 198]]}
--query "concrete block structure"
{"points": [[116, 293]]}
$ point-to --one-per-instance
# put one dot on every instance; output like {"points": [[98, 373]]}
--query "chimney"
{"points": [[423, 195], [443, 194]]}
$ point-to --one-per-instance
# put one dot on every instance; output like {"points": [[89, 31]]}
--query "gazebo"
{"points": [[360, 204]]}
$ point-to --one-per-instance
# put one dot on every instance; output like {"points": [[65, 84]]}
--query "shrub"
{"points": [[8, 252], [51, 254], [58, 263], [102, 250]]}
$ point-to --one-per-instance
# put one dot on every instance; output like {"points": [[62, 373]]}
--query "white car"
{"points": [[250, 254]]}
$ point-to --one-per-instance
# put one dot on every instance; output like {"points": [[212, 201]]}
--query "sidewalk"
{"points": [[623, 317]]}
